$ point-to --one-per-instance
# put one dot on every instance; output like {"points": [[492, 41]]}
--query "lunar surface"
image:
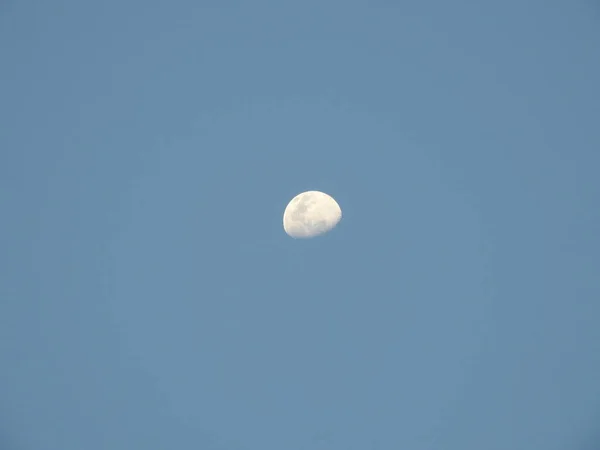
{"points": [[311, 214]]}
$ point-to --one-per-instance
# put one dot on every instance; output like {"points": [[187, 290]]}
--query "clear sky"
{"points": [[150, 299]]}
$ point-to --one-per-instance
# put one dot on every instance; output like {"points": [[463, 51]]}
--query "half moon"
{"points": [[311, 214]]}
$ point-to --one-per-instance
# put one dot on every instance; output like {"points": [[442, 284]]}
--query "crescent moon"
{"points": [[311, 214]]}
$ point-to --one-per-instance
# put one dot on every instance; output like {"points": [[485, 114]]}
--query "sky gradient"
{"points": [[150, 299]]}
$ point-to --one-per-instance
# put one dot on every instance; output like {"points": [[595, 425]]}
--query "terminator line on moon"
{"points": [[311, 214]]}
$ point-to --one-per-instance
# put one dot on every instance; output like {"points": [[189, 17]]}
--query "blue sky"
{"points": [[149, 298]]}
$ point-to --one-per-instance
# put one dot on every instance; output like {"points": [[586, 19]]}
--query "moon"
{"points": [[311, 214]]}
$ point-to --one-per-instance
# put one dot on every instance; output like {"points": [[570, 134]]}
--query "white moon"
{"points": [[310, 214]]}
